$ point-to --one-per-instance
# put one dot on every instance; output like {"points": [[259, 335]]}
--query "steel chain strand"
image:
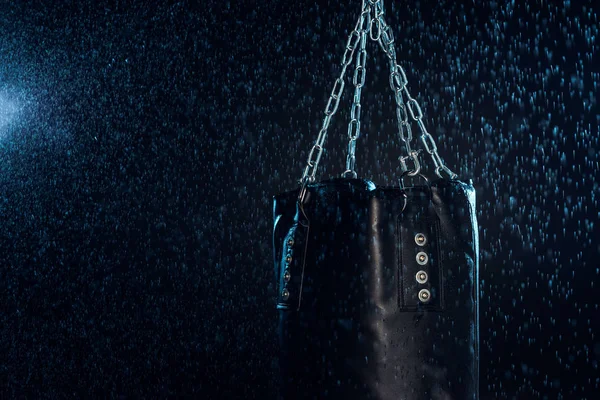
{"points": [[399, 83], [354, 124], [334, 99]]}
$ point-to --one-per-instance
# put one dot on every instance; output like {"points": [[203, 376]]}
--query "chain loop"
{"points": [[350, 46], [398, 79], [375, 21], [413, 103], [355, 110], [414, 157], [354, 129]]}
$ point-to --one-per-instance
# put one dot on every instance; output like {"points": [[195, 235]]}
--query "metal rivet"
{"points": [[420, 239], [288, 259], [422, 258], [290, 242], [287, 276], [421, 276], [424, 295], [285, 294]]}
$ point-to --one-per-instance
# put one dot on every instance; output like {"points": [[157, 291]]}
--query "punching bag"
{"points": [[377, 286]]}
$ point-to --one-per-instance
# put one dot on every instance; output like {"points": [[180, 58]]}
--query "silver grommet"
{"points": [[288, 259], [290, 242], [422, 258], [421, 276], [285, 294], [287, 276], [420, 239], [424, 295]]}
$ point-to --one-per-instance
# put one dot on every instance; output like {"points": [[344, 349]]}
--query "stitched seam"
{"points": [[400, 283], [438, 251]]}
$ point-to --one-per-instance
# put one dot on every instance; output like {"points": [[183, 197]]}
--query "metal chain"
{"points": [[360, 70], [378, 31], [334, 99], [399, 83]]}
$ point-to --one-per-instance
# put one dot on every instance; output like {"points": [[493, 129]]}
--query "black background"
{"points": [[141, 145]]}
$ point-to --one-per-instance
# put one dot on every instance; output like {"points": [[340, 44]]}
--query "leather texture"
{"points": [[361, 316]]}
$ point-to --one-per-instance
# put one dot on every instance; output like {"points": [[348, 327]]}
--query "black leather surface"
{"points": [[360, 330]]}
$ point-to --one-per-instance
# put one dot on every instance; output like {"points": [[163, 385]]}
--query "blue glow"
{"points": [[9, 109]]}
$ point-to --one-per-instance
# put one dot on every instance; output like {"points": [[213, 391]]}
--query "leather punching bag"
{"points": [[377, 286]]}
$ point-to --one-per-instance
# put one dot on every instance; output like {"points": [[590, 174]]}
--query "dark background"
{"points": [[141, 145]]}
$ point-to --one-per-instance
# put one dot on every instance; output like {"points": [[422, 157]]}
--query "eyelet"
{"points": [[422, 258], [285, 294], [420, 239], [421, 277], [424, 295], [287, 276]]}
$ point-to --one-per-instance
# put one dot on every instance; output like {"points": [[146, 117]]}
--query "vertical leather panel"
{"points": [[383, 254], [283, 218], [454, 204], [292, 265], [417, 218]]}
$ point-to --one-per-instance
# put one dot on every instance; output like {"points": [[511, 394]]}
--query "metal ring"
{"points": [[422, 258], [345, 173], [421, 277], [420, 239], [427, 183], [414, 156], [424, 295]]}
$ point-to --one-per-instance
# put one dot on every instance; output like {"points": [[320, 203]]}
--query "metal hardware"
{"points": [[376, 27], [290, 242], [315, 154], [421, 277], [287, 276], [424, 295], [399, 83], [285, 294], [420, 239], [422, 258], [288, 260], [414, 157]]}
